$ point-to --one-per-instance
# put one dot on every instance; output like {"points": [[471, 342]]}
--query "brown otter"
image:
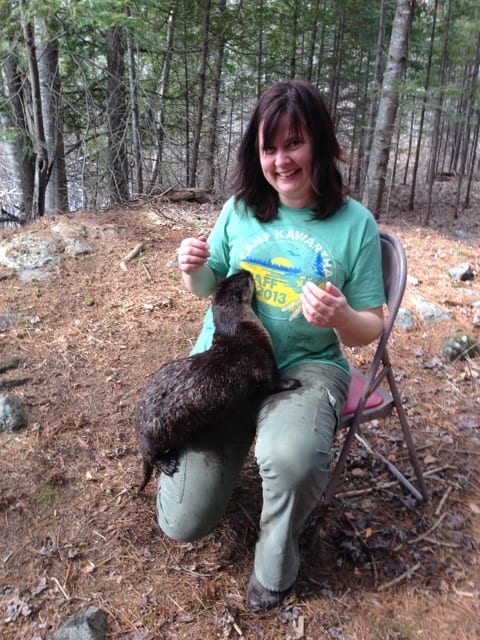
{"points": [[202, 390]]}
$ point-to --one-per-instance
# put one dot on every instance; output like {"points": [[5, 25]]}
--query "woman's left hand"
{"points": [[329, 308], [325, 307]]}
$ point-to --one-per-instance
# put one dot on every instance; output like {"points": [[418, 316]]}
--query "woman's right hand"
{"points": [[192, 253]]}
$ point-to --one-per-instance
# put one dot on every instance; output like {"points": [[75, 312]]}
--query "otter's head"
{"points": [[233, 297]]}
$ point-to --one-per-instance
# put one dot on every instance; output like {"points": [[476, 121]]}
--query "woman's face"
{"points": [[286, 165]]}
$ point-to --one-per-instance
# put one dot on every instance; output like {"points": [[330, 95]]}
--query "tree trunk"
{"points": [[435, 145], [459, 120], [137, 186], [188, 108], [387, 110], [260, 52], [215, 96], [38, 134], [467, 126], [294, 38], [363, 127], [410, 143], [162, 97], [313, 41], [337, 59], [411, 202], [396, 146], [374, 96], [22, 145], [202, 73], [473, 159], [117, 164], [56, 197]]}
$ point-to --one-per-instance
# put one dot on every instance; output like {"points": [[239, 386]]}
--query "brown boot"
{"points": [[259, 598]]}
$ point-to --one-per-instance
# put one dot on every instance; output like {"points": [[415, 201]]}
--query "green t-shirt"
{"points": [[283, 255]]}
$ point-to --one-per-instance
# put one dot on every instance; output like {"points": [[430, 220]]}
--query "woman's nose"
{"points": [[281, 157]]}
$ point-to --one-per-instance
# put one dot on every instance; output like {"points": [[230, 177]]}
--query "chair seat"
{"points": [[378, 403]]}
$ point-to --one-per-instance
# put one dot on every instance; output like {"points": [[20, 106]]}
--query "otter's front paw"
{"points": [[168, 465]]}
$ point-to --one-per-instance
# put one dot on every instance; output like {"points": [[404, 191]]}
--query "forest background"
{"points": [[103, 102], [104, 107]]}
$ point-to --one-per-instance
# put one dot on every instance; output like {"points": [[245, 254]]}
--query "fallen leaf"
{"points": [[474, 508], [358, 473], [89, 567]]}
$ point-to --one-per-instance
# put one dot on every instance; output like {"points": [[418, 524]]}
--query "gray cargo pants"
{"points": [[295, 432]]}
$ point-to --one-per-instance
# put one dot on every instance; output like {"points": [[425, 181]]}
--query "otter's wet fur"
{"points": [[202, 390]]}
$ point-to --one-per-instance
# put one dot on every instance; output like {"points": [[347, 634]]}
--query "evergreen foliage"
{"points": [[155, 95]]}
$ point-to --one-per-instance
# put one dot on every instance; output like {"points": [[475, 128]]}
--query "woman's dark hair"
{"points": [[302, 105]]}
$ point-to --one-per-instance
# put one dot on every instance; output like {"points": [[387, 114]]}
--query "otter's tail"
{"points": [[147, 474]]}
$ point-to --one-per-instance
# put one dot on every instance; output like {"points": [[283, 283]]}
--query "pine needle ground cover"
{"points": [[75, 534]]}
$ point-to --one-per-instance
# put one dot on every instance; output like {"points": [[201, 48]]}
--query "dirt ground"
{"points": [[73, 532]]}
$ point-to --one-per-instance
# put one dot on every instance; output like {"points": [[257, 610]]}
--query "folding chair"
{"points": [[367, 400]]}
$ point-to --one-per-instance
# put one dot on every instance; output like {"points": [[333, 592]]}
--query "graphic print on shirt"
{"points": [[282, 262]]}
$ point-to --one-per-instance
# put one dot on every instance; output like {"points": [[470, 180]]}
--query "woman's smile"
{"points": [[286, 164]]}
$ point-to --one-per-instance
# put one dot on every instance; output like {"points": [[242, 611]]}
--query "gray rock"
{"points": [[29, 255], [405, 319], [90, 624], [459, 233], [8, 362], [27, 275], [413, 280], [29, 252], [476, 314], [429, 312], [13, 413], [66, 229], [78, 248], [9, 319], [461, 272], [459, 347]]}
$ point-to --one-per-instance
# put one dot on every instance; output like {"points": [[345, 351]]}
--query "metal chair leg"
{"points": [[407, 434]]}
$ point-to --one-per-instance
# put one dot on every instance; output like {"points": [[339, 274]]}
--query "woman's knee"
{"points": [[296, 434], [186, 531], [186, 523], [292, 461]]}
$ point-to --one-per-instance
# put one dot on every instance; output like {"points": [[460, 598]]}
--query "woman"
{"points": [[315, 255]]}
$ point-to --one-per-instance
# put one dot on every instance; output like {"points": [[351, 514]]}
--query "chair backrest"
{"points": [[394, 265], [367, 399]]}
